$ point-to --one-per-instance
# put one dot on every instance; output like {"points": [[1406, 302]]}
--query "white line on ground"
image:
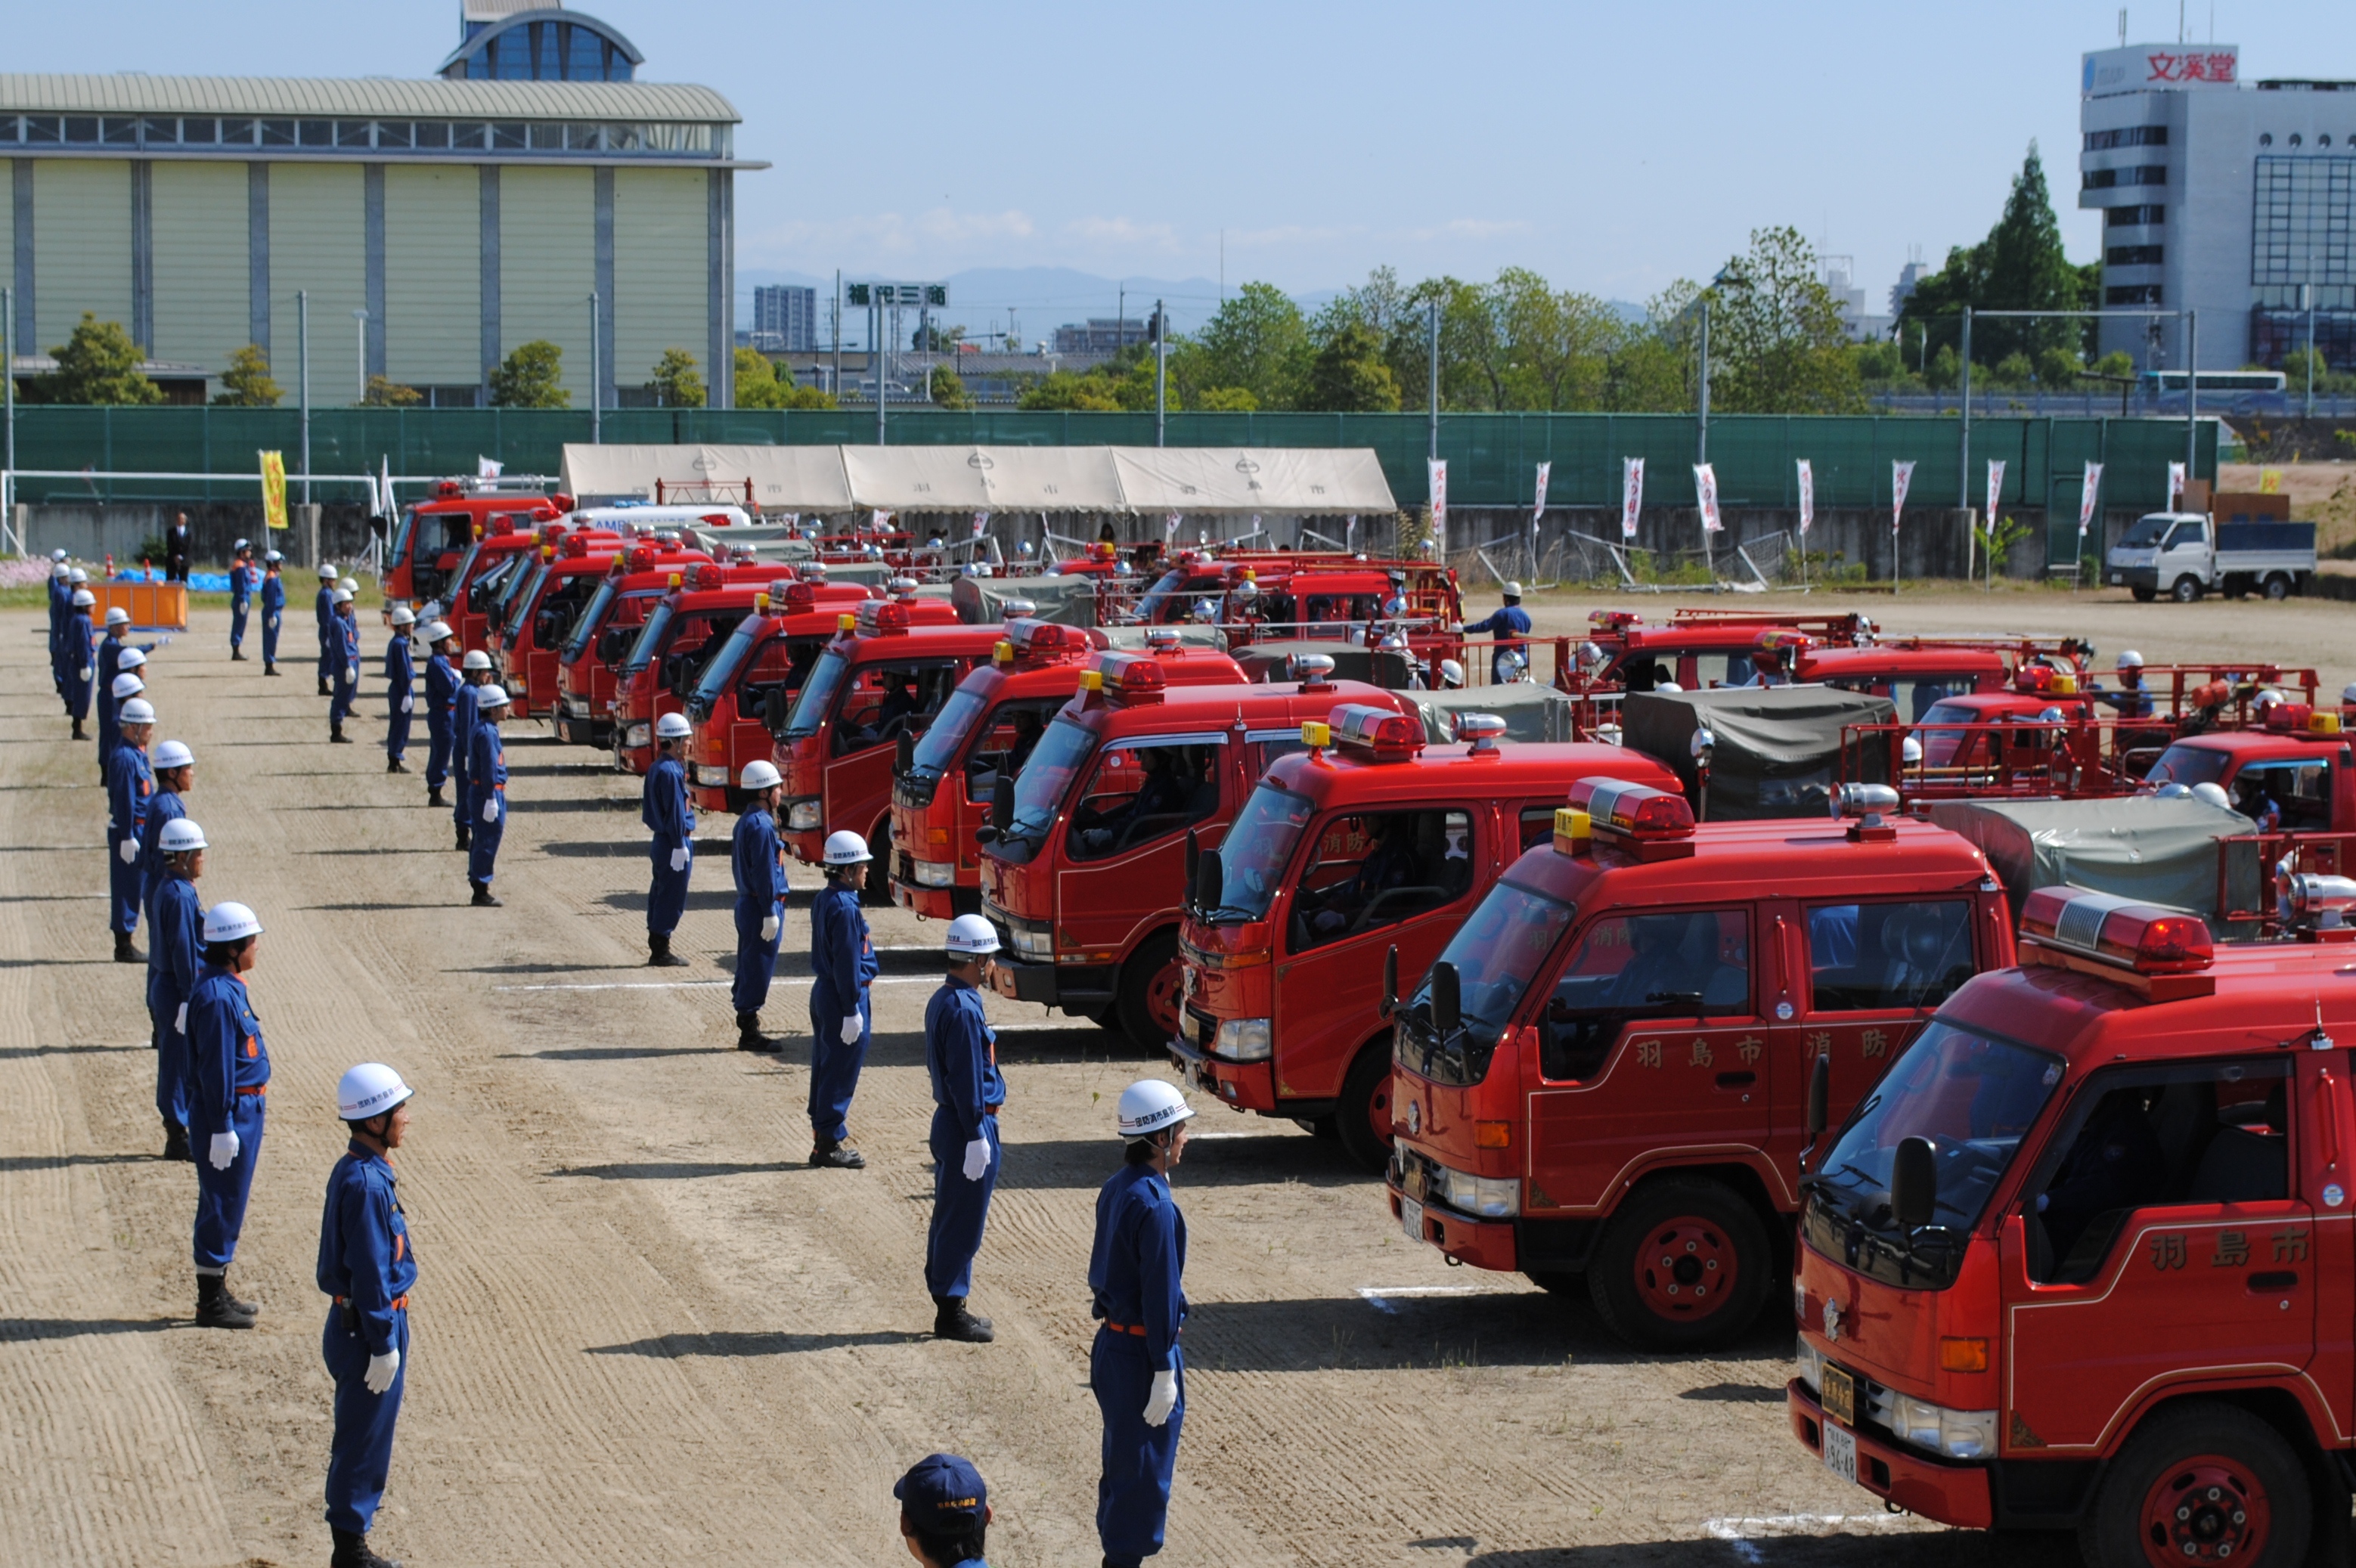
{"points": [[1378, 1297], [1744, 1534]]}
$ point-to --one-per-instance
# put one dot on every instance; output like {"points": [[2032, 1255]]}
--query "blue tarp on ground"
{"points": [[198, 581]]}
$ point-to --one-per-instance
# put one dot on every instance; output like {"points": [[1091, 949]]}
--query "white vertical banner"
{"points": [[1994, 491], [2175, 486], [1350, 535], [1902, 479], [980, 521], [1170, 526], [2093, 486], [488, 467], [1631, 494], [881, 521], [1706, 498], [1539, 505], [1436, 470], [1807, 495]]}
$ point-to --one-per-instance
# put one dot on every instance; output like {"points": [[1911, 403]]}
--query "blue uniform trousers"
{"points": [[667, 898], [331, 655], [237, 609], [270, 635], [340, 705], [122, 886], [1133, 1489], [834, 1066], [437, 752], [172, 1063], [960, 1207], [483, 846], [756, 960], [396, 727], [359, 1456], [221, 1194]]}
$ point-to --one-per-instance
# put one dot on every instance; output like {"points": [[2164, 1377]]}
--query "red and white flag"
{"points": [[1807, 495], [1705, 496], [1995, 489], [2175, 486], [980, 521], [1436, 470], [1539, 505], [2094, 486], [1901, 478], [1631, 494]]}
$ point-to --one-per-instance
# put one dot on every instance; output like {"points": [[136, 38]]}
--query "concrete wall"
{"points": [[92, 532]]}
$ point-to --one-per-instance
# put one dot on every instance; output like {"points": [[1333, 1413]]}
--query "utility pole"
{"points": [[1964, 454], [360, 323], [303, 379], [2309, 290], [1433, 312], [875, 354], [1161, 371], [837, 388], [2191, 397], [596, 378], [1702, 447], [8, 380]]}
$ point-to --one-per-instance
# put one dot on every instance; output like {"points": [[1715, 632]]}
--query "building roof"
{"points": [[404, 97]]}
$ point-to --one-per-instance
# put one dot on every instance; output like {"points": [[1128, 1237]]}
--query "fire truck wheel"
{"points": [[2187, 590], [1683, 1265], [2203, 1483], [1147, 1002], [1363, 1119]]}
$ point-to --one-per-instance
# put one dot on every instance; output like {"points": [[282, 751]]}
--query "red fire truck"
{"points": [[1377, 845], [1603, 1072], [2295, 773], [2083, 1261], [1694, 648], [1085, 872], [943, 784], [740, 701], [531, 645], [691, 622], [489, 567], [588, 667], [422, 561], [885, 672]]}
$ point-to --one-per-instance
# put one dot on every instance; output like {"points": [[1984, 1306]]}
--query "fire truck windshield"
{"points": [[1972, 1097], [653, 638], [1256, 850], [816, 704], [723, 665], [1040, 787], [1941, 747], [401, 535], [939, 747], [483, 589], [1497, 952], [2189, 766], [592, 617]]}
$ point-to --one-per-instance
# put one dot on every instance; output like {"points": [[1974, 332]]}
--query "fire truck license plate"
{"points": [[1840, 1395], [1840, 1452], [1411, 1219]]}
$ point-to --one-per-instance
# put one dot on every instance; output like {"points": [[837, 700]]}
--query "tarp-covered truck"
{"points": [[2185, 555], [1748, 752], [2156, 849]]}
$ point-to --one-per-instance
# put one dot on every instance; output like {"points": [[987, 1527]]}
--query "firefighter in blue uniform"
{"points": [[344, 640], [243, 575], [274, 607], [961, 1059], [114, 657], [474, 673], [175, 946], [368, 1266], [323, 608], [75, 666], [60, 610], [441, 692], [175, 769], [663, 807], [229, 1077], [130, 784], [944, 1512], [756, 862], [400, 696], [1509, 624], [842, 961], [1136, 1270], [487, 792]]}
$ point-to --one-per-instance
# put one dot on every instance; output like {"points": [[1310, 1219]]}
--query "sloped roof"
{"points": [[403, 97]]}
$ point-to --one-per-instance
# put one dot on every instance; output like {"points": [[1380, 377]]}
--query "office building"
{"points": [[464, 213], [784, 318], [1099, 334]]}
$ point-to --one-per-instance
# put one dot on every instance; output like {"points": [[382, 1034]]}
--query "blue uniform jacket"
{"points": [[1136, 1267], [241, 581], [323, 607], [664, 808], [487, 769], [346, 630], [462, 719], [175, 944], [842, 959], [962, 1057], [164, 807], [130, 784], [752, 857], [273, 593], [73, 646], [365, 1257], [398, 671], [225, 1049], [61, 608], [1508, 624], [441, 690]]}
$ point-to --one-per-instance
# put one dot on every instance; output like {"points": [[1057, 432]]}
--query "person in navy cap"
{"points": [[664, 807], [944, 1511], [76, 667], [229, 1080], [441, 697], [842, 961], [323, 609], [400, 698]]}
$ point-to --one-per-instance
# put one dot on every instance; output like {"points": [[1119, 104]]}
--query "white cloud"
{"points": [[1126, 233], [941, 233]]}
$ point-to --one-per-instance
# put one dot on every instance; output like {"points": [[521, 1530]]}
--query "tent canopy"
{"points": [[1149, 481]]}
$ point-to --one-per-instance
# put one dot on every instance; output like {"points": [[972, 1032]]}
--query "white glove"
{"points": [[274, 623], [851, 1029], [85, 672], [130, 851], [181, 1020], [977, 1159], [224, 1151], [382, 1370], [491, 809], [1162, 1400], [351, 674], [407, 703], [769, 928], [679, 859]]}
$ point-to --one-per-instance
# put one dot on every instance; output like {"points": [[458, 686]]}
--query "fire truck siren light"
{"points": [[1636, 816], [1376, 732], [2118, 932]]}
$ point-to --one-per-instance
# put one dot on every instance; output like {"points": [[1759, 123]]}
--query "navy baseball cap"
{"points": [[942, 1494]]}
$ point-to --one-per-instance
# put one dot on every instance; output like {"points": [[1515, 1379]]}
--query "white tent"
{"points": [[1195, 479], [785, 478]]}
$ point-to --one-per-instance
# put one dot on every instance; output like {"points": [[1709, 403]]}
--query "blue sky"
{"points": [[1612, 148]]}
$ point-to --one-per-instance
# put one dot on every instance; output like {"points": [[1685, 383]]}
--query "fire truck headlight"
{"points": [[1810, 1366], [802, 816], [1488, 1197], [638, 735], [713, 775], [1244, 1040], [1958, 1433], [933, 873], [1039, 945]]}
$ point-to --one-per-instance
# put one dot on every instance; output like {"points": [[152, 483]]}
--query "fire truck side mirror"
{"points": [[1002, 805], [1913, 1183], [1447, 1001], [1390, 982], [903, 754], [1820, 1096], [1210, 879], [1193, 856]]}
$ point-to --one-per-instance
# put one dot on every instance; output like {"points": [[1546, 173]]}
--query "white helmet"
{"points": [[137, 711], [175, 754], [116, 615], [369, 1091], [57, 555], [673, 727], [1451, 674], [126, 685], [180, 835], [2214, 793], [844, 848], [2130, 659], [83, 599], [58, 568], [2347, 694], [971, 936], [475, 659], [1150, 1104], [403, 615], [1670, 687], [2266, 698], [272, 555], [341, 596], [227, 922], [242, 544], [1909, 750], [438, 631], [349, 584], [1512, 591], [760, 775], [489, 697], [326, 571], [76, 574], [129, 658]]}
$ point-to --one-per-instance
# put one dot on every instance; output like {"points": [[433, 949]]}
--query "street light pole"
{"points": [[360, 327], [2191, 395], [1161, 371], [596, 378], [2308, 290], [1964, 457], [303, 379], [1701, 443], [1433, 312]]}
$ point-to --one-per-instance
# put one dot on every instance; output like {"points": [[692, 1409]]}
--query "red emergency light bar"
{"points": [[1614, 619], [709, 576], [1378, 734], [2161, 953], [1040, 638], [882, 617], [573, 545], [1653, 824], [2287, 716], [1778, 641], [447, 489], [1134, 681], [2045, 678], [798, 597]]}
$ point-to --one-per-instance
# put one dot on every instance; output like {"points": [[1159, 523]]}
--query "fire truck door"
{"points": [[1651, 1051], [1125, 849], [2161, 1239]]}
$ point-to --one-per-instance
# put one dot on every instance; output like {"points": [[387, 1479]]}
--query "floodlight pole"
{"points": [[596, 374], [876, 352], [1701, 440], [2309, 290], [1964, 459], [302, 380], [8, 377], [1432, 312], [1161, 371]]}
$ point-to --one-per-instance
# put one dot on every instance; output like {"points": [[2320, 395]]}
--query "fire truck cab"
{"points": [[943, 784], [1695, 649], [434, 535], [1367, 843], [1915, 675], [537, 633], [691, 622], [1085, 872], [492, 565], [2297, 774], [1604, 1073], [589, 663], [2084, 1260]]}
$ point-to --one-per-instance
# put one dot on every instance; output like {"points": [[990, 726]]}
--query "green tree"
{"points": [[1227, 400], [948, 388], [935, 338], [246, 384], [801, 396], [383, 393], [2019, 266], [1348, 375], [677, 383], [757, 386], [2012, 373], [1259, 341], [1777, 343], [1062, 390], [98, 364], [1654, 366], [531, 378]]}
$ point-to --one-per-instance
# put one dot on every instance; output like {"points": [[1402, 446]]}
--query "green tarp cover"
{"points": [[1070, 600], [2162, 851], [1777, 752], [1531, 711], [1351, 661]]}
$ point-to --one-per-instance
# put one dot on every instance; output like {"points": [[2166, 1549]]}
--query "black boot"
{"points": [[483, 899], [837, 1156], [659, 956], [236, 657], [433, 796], [78, 732], [176, 1143], [335, 736], [396, 766], [124, 952], [217, 1308], [463, 836], [322, 687], [750, 1037], [352, 1552], [269, 668], [952, 1321]]}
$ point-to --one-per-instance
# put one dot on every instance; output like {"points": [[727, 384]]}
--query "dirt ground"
{"points": [[646, 1332]]}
